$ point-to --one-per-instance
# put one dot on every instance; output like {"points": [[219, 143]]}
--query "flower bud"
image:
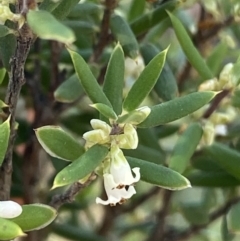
{"points": [[9, 209]]}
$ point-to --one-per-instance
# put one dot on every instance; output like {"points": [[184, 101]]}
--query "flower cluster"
{"points": [[116, 171], [9, 209]]}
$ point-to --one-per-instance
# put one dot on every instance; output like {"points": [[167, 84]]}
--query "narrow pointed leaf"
{"points": [[124, 35], [87, 80], [46, 26], [49, 5], [185, 147], [35, 217], [233, 219], [69, 91], [9, 230], [4, 137], [195, 213], [114, 79], [136, 9], [57, 143], [81, 167], [166, 85], [145, 82], [212, 179], [176, 108], [105, 111], [150, 19], [189, 49], [159, 175], [64, 8], [2, 74], [227, 158]]}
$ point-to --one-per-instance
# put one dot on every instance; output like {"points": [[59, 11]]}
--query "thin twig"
{"points": [[16, 80], [194, 229], [60, 199], [104, 36], [158, 231], [215, 103]]}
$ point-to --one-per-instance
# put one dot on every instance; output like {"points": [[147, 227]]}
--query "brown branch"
{"points": [[158, 231], [197, 228], [215, 103], [104, 36], [16, 80], [136, 203], [60, 199]]}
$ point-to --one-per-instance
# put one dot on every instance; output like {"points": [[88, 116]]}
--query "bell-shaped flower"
{"points": [[99, 135], [9, 209], [129, 138], [120, 169], [115, 194]]}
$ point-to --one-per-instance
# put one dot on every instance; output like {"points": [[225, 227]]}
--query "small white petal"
{"points": [[114, 194], [9, 209], [96, 136], [121, 170], [128, 140], [100, 125]]}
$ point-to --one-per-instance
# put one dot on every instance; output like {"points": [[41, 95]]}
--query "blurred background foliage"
{"points": [[210, 210]]}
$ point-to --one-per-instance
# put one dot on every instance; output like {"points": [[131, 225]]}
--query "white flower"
{"points": [[118, 183], [9, 209], [99, 135], [115, 194], [120, 169], [129, 138]]}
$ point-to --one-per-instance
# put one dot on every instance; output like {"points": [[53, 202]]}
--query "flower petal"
{"points": [[115, 195], [120, 169]]}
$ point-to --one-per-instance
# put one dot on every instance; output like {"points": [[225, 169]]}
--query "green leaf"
{"points": [[49, 5], [166, 86], [87, 80], [185, 147], [2, 74], [4, 31], [4, 137], [7, 48], [215, 60], [159, 175], [105, 110], [46, 26], [57, 143], [189, 49], [195, 213], [64, 8], [35, 217], [136, 9], [124, 35], [176, 108], [146, 153], [212, 179], [114, 79], [81, 167], [73, 232], [9, 230], [150, 19], [145, 82], [2, 104], [233, 219], [135, 117], [227, 158], [69, 91]]}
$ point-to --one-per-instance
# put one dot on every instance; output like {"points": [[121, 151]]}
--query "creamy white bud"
{"points": [[9, 209]]}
